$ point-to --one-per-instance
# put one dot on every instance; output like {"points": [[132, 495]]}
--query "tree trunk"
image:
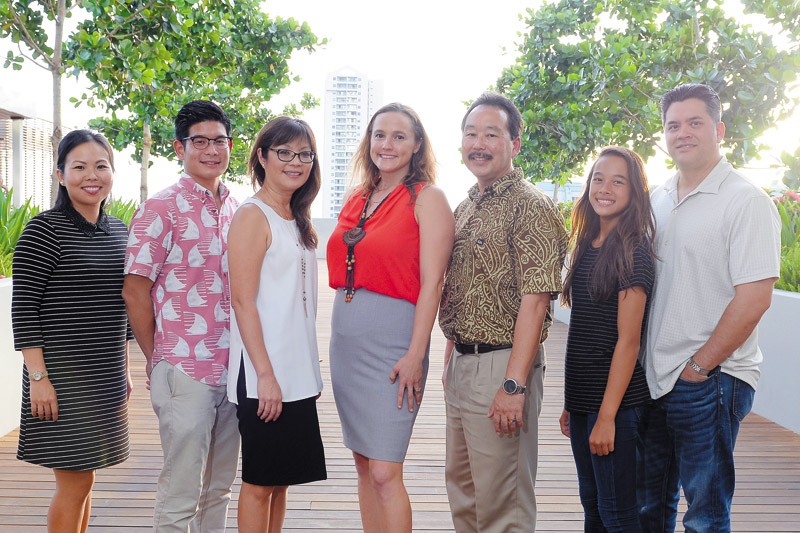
{"points": [[556, 186], [147, 142], [55, 71]]}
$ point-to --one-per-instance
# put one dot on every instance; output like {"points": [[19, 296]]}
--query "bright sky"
{"points": [[430, 55]]}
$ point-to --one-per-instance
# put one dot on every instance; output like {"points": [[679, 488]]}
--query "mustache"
{"points": [[484, 155]]}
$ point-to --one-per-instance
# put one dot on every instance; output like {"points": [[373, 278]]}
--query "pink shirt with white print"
{"points": [[179, 240]]}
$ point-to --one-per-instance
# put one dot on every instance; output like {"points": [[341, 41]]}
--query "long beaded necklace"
{"points": [[303, 270], [351, 238], [302, 252]]}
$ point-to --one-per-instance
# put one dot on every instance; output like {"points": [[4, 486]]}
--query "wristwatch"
{"points": [[510, 386], [697, 368], [37, 376]]}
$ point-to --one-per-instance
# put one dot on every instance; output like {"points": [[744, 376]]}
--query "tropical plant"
{"points": [[121, 209], [566, 211], [12, 222], [790, 269], [791, 174], [789, 209]]}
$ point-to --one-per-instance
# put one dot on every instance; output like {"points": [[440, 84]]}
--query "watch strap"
{"points": [[518, 389], [697, 368]]}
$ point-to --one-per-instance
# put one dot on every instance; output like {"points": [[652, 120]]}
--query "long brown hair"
{"points": [[282, 130], [635, 228], [422, 168]]}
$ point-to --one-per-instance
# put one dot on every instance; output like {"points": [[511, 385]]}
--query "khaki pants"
{"points": [[200, 440], [490, 478]]}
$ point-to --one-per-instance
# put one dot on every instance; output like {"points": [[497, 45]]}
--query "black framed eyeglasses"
{"points": [[288, 156], [200, 142]]}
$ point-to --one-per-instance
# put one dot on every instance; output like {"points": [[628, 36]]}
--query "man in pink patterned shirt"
{"points": [[178, 299]]}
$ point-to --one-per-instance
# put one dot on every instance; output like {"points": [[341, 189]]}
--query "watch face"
{"points": [[510, 386]]}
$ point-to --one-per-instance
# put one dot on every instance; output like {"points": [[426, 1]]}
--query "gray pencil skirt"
{"points": [[368, 336]]}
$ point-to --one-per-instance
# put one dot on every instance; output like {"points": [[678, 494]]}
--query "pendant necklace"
{"points": [[351, 238]]}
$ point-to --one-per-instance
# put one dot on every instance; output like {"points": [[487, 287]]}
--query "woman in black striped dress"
{"points": [[69, 322]]}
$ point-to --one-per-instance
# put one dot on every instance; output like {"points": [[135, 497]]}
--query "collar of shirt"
{"points": [[710, 184], [86, 227], [498, 187], [188, 183]]}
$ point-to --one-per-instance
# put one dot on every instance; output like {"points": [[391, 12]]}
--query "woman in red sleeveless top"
{"points": [[386, 260]]}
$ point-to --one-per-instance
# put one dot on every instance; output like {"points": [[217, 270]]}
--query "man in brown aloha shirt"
{"points": [[504, 271]]}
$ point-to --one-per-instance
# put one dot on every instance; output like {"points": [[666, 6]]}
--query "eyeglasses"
{"points": [[201, 143], [288, 156]]}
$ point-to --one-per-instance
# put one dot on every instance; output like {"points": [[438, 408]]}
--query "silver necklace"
{"points": [[303, 270]]}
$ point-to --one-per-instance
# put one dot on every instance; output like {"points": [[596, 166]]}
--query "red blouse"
{"points": [[387, 259]]}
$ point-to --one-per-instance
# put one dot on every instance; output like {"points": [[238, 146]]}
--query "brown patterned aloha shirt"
{"points": [[510, 241]]}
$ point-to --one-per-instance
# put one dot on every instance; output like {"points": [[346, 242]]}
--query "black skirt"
{"points": [[286, 451]]}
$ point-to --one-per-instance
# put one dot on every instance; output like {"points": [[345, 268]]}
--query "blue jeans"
{"points": [[688, 437], [607, 484]]}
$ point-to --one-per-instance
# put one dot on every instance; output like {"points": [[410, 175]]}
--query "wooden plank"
{"points": [[768, 466]]}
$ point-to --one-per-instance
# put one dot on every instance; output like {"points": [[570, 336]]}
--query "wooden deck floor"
{"points": [[768, 467]]}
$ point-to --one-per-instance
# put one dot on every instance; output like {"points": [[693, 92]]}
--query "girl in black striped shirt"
{"points": [[608, 285]]}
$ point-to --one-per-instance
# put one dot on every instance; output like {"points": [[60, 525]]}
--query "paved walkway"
{"points": [[768, 467]]}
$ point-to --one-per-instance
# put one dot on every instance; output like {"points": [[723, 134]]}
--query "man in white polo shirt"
{"points": [[718, 244]]}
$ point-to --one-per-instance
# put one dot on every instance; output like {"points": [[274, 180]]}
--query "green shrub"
{"points": [[566, 211], [790, 269], [789, 209], [122, 210], [12, 222]]}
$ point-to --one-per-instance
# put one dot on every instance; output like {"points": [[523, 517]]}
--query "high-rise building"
{"points": [[350, 101]]}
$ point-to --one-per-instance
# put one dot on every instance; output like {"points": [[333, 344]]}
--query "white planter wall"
{"points": [[324, 227], [10, 365], [778, 394]]}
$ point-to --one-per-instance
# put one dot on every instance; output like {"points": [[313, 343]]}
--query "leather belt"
{"points": [[480, 348]]}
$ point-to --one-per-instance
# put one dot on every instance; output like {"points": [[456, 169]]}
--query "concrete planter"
{"points": [[778, 395], [10, 365]]}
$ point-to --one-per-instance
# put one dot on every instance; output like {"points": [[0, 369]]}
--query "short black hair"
{"points": [[67, 144], [693, 90], [504, 103], [199, 111]]}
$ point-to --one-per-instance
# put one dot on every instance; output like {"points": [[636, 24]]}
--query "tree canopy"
{"points": [[26, 23], [591, 74], [146, 59]]}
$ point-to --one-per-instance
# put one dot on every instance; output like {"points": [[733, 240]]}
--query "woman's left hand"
{"points": [[408, 373]]}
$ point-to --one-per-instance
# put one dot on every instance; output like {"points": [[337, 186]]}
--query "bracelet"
{"points": [[697, 368]]}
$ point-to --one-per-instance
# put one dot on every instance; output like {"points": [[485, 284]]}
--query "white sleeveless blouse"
{"points": [[288, 326]]}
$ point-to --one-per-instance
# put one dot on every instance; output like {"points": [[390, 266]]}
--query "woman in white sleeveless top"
{"points": [[274, 375]]}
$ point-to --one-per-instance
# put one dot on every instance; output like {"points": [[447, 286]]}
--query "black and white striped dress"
{"points": [[67, 298]]}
